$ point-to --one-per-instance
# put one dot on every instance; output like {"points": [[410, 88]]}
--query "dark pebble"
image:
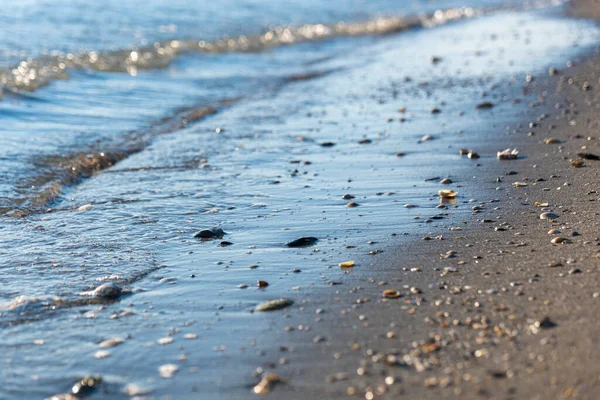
{"points": [[211, 233], [303, 242]]}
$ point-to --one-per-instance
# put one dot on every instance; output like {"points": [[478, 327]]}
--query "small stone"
{"points": [[486, 105], [548, 215], [577, 164], [391, 294], [262, 284], [560, 240], [545, 323], [347, 197], [211, 233], [303, 242], [352, 204], [108, 291], [266, 383], [446, 181], [113, 342], [85, 207]]}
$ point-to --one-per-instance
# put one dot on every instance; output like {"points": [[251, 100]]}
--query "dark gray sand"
{"points": [[501, 306]]}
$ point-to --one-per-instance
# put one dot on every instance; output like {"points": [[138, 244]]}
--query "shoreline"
{"points": [[495, 310]]}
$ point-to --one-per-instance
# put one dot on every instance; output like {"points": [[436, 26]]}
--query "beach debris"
{"points": [[410, 206], [303, 242], [365, 141], [225, 243], [446, 181], [347, 264], [211, 233], [519, 184], [472, 155], [352, 204], [552, 141], [560, 240], [85, 386], [272, 305], [435, 110], [548, 215], [464, 152], [242, 286], [588, 156], [168, 370], [486, 105], [539, 204], [391, 294], [266, 383], [85, 207], [577, 163], [400, 154], [508, 154], [447, 194], [327, 144], [348, 197], [262, 284]]}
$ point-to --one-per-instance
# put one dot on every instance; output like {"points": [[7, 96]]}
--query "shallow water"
{"points": [[243, 169]]}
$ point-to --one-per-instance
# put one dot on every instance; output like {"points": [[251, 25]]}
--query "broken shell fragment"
{"points": [[266, 383], [347, 264], [464, 152], [519, 184], [508, 154], [272, 305], [552, 141], [447, 194], [391, 294], [472, 155]]}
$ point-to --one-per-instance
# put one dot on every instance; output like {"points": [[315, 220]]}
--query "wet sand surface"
{"points": [[502, 304], [464, 297]]}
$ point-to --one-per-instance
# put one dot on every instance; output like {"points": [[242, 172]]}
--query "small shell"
{"points": [[552, 141], [347, 264], [464, 152], [447, 194], [352, 204], [560, 240], [391, 294], [508, 154], [519, 184], [472, 155]]}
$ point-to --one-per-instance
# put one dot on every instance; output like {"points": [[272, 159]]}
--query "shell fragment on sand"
{"points": [[347, 264], [273, 305], [548, 215], [508, 154], [447, 194]]}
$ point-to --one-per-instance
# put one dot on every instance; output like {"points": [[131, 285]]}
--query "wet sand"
{"points": [[504, 308]]}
